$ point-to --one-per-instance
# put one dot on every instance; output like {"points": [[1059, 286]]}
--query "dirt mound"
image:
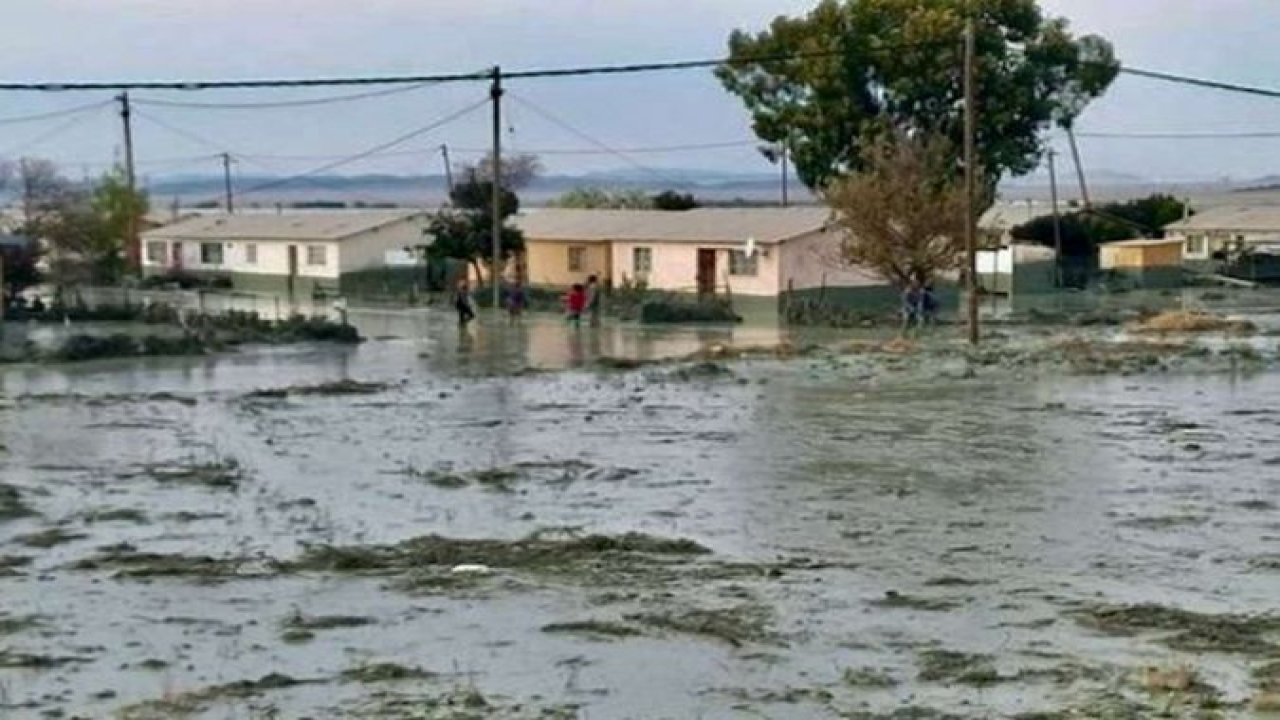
{"points": [[1192, 322]]}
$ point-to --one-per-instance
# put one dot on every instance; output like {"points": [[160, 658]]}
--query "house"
{"points": [[299, 251], [757, 252], [1147, 262], [1018, 269], [1219, 232]]}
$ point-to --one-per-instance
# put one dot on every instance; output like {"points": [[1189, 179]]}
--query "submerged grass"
{"points": [[1186, 630]]}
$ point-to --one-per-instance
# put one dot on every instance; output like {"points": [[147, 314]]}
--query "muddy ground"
{"points": [[539, 523]]}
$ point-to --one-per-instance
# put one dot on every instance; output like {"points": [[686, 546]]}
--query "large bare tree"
{"points": [[904, 213]]}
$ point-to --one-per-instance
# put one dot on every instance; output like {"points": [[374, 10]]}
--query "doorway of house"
{"points": [[293, 268], [706, 272]]}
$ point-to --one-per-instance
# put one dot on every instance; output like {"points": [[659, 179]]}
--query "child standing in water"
{"points": [[462, 303], [575, 302]]}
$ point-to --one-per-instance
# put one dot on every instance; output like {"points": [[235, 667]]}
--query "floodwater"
{"points": [[861, 524]]}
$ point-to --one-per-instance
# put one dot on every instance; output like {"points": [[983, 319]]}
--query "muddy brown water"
{"points": [[857, 523]]}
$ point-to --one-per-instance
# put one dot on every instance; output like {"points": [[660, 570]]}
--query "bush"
{"points": [[78, 348], [682, 311]]}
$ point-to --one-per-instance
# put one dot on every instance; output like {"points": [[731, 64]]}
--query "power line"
{"points": [[46, 136], [309, 102], [369, 152], [547, 115], [1200, 82], [1244, 135], [54, 114]]}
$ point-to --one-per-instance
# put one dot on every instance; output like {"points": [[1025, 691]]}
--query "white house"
{"points": [[314, 248]]}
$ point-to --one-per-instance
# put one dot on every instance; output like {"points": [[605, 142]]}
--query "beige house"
{"points": [[759, 252], [290, 249], [1226, 230]]}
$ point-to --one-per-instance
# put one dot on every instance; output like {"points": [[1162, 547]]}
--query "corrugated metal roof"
{"points": [[336, 225], [701, 225], [1242, 218]]}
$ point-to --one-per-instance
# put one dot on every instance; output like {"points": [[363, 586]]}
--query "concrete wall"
{"points": [[369, 250], [813, 261], [1117, 257], [272, 258], [675, 267], [547, 262]]}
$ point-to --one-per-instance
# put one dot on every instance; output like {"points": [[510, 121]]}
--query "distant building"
{"points": [[1144, 262], [1219, 232], [298, 251]]}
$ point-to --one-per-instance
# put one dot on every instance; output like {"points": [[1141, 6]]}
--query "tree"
{"points": [[831, 83], [594, 198], [674, 201], [21, 269], [464, 230], [904, 213], [1084, 230], [518, 170]]}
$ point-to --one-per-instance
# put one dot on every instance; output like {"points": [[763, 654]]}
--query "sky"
{"points": [[580, 124]]}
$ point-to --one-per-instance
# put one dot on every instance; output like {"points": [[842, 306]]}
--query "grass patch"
{"points": [[894, 600], [384, 672], [311, 623], [736, 626], [336, 388], [129, 563], [49, 538], [1185, 630], [592, 628], [11, 505], [221, 474], [948, 666]]}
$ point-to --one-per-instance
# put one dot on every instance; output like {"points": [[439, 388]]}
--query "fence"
{"points": [[266, 305]]}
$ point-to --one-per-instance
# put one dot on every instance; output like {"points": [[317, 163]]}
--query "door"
{"points": [[706, 272], [293, 267], [175, 260]]}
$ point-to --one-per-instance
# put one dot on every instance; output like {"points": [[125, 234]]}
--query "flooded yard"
{"points": [[494, 525]]}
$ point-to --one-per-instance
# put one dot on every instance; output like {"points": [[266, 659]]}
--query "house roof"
{"points": [[337, 225], [1242, 218], [768, 226], [1144, 242]]}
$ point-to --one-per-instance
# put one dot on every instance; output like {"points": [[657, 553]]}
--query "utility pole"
{"points": [[1057, 219], [1075, 155], [970, 182], [226, 182], [448, 168], [786, 151], [495, 93], [132, 251]]}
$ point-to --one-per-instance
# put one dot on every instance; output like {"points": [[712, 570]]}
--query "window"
{"points": [[211, 253], [317, 255], [641, 261], [741, 264], [251, 254], [155, 252], [577, 259], [1196, 245]]}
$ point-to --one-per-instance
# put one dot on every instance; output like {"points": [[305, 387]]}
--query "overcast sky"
{"points": [[71, 40]]}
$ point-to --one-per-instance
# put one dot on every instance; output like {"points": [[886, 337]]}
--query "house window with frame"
{"points": [[155, 251], [641, 261], [1196, 245], [577, 259], [742, 265], [317, 255], [211, 253], [251, 254]]}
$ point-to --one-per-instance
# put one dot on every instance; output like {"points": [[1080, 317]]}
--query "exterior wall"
{"points": [[813, 261], [1115, 257], [273, 258], [675, 267], [369, 250], [547, 263]]}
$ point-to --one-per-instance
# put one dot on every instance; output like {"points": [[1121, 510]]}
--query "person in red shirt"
{"points": [[575, 302]]}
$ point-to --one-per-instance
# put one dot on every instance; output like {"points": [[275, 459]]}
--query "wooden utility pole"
{"points": [[1075, 155], [132, 252], [786, 152], [226, 182], [448, 168], [1057, 219], [970, 183], [495, 93]]}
